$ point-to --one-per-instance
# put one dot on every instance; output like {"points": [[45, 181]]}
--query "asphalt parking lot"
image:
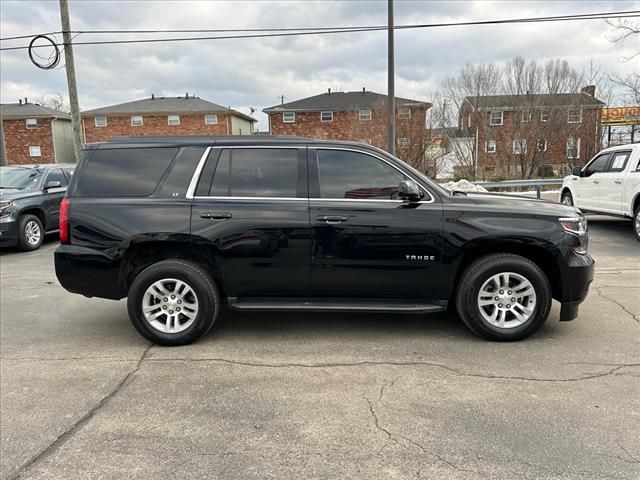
{"points": [[326, 396]]}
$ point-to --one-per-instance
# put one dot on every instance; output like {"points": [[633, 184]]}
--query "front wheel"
{"points": [[503, 297], [636, 222], [173, 302], [567, 199], [30, 232]]}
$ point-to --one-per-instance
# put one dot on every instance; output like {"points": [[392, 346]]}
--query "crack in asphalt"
{"points": [[393, 438], [69, 432], [455, 371], [613, 300]]}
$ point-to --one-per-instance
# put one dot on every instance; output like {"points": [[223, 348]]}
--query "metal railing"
{"points": [[537, 183]]}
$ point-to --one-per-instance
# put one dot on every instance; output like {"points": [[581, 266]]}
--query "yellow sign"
{"points": [[621, 116]]}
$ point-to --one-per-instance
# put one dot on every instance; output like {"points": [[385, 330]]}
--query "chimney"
{"points": [[363, 90], [25, 100], [329, 91], [153, 97], [20, 101], [186, 95], [589, 90]]}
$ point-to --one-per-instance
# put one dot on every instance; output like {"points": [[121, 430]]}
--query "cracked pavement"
{"points": [[328, 396]]}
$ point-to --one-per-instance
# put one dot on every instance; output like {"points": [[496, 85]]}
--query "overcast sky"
{"points": [[255, 72]]}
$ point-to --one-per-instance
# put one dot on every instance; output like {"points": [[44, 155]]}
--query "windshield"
{"points": [[20, 178]]}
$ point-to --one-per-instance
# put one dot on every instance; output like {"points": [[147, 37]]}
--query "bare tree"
{"points": [[630, 84], [55, 102], [622, 30]]}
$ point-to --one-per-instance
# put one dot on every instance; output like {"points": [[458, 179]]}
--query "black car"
{"points": [[30, 197], [181, 226]]}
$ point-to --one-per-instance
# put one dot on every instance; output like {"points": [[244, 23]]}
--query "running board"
{"points": [[333, 305]]}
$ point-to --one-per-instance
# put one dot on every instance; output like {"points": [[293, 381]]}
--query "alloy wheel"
{"points": [[507, 300], [32, 233], [170, 305]]}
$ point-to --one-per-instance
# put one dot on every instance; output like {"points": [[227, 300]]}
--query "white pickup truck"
{"points": [[608, 184]]}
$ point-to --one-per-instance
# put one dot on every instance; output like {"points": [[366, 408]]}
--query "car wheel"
{"points": [[173, 302], [503, 297], [567, 199], [30, 232], [636, 222]]}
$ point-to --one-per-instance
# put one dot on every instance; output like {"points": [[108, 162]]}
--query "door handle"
{"points": [[331, 219], [596, 181], [216, 216], [617, 181]]}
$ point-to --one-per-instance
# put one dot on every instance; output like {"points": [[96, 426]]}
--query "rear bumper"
{"points": [[576, 280], [88, 272]]}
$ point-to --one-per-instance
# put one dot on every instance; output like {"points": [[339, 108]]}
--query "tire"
{"points": [[636, 222], [567, 198], [196, 298], [30, 233], [483, 274]]}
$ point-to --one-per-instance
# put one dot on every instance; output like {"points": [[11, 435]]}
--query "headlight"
{"points": [[5, 209], [577, 227]]}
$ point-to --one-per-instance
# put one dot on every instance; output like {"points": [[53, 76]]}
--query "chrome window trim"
{"points": [[432, 197], [196, 177]]}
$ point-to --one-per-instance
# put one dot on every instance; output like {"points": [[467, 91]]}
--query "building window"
{"points": [[469, 121], [573, 147], [544, 116], [100, 121], [34, 151], [32, 123], [288, 117], [526, 116], [211, 119], [403, 142], [541, 145], [173, 119], [574, 116], [136, 121], [404, 113], [326, 116], [364, 115], [496, 118], [520, 146], [490, 146]]}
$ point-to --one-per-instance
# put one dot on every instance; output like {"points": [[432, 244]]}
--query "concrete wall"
{"points": [[241, 126], [63, 141]]}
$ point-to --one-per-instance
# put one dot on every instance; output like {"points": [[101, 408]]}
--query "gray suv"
{"points": [[30, 197]]}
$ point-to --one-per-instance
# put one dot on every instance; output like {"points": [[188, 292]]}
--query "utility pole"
{"points": [[391, 95], [71, 79]]}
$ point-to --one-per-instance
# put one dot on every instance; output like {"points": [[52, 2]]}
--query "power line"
{"points": [[336, 30]]}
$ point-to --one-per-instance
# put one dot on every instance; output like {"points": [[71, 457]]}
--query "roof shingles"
{"points": [[342, 101], [30, 110], [535, 100]]}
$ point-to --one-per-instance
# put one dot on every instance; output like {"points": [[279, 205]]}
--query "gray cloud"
{"points": [[255, 72]]}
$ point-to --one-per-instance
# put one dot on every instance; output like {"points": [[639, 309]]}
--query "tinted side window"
{"points": [[124, 172], [56, 176], [179, 176], [598, 165], [344, 174], [619, 161], [256, 172]]}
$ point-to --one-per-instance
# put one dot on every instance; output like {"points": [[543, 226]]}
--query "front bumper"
{"points": [[576, 279], [8, 232]]}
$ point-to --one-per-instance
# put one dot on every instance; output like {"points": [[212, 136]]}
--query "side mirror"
{"points": [[408, 190], [52, 184], [577, 171]]}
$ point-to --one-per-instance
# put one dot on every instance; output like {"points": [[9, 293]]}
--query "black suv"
{"points": [[30, 197], [180, 226]]}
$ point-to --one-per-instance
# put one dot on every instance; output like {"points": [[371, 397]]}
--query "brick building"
{"points": [[358, 116], [188, 115], [533, 134], [35, 134]]}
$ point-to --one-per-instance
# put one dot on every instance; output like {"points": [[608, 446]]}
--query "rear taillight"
{"points": [[64, 221]]}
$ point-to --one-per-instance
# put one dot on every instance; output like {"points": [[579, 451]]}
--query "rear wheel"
{"points": [[636, 222], [567, 198], [30, 232], [503, 297], [173, 302]]}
